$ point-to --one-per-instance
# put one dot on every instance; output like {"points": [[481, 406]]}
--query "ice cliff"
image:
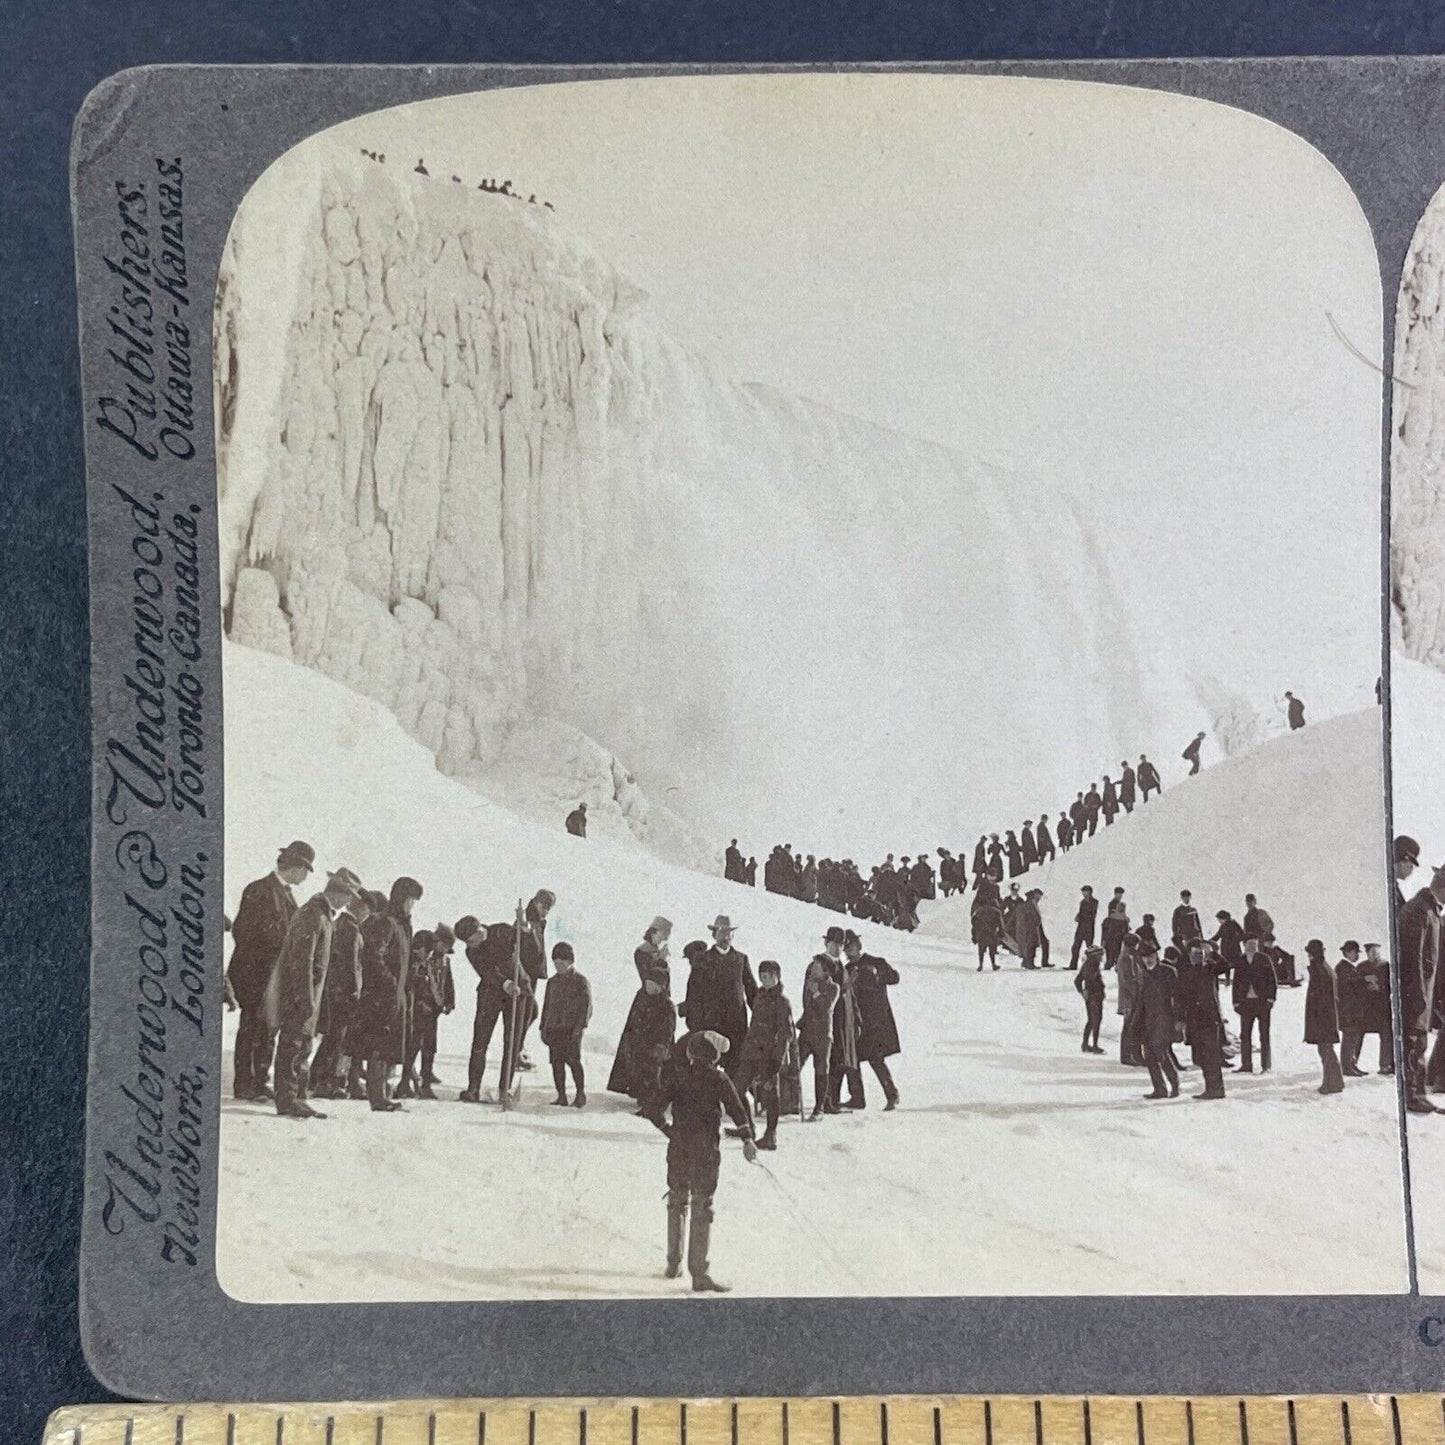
{"points": [[1417, 543], [464, 474]]}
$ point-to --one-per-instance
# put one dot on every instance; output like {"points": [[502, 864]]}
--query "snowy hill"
{"points": [[464, 473], [1258, 823], [1016, 1165]]}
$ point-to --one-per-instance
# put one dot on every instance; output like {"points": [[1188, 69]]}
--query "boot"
{"points": [[560, 1102], [676, 1220], [892, 1103], [768, 1141], [356, 1090], [405, 1090], [426, 1092], [469, 1096], [580, 1102], [697, 1245]]}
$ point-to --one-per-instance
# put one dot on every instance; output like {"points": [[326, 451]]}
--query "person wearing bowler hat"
{"points": [[720, 993], [385, 967], [298, 985], [1407, 860], [1322, 1017], [266, 909], [822, 987], [1420, 928]]}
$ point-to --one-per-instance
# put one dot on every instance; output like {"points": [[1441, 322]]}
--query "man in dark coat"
{"points": [[822, 988], [1093, 802], [299, 982], [1191, 753], [1228, 938], [1152, 1023], [1420, 931], [385, 967], [1253, 993], [266, 909], [720, 992], [1148, 779], [1185, 927], [1015, 855], [1084, 921], [735, 870], [1375, 977], [698, 1093], [1257, 922], [1126, 786], [1296, 712], [871, 978], [1203, 1022], [1407, 860], [507, 992], [980, 859], [577, 821], [1066, 832], [1029, 844], [1322, 1017], [1044, 840], [1353, 993], [337, 1022], [1079, 817], [1109, 802]]}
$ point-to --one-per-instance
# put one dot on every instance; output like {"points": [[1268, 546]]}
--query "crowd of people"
{"points": [[339, 992], [489, 184]]}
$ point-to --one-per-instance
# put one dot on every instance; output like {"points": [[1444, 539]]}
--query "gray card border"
{"points": [[158, 1330]]}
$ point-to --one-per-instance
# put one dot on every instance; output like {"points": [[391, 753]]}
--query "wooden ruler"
{"points": [[868, 1420]]}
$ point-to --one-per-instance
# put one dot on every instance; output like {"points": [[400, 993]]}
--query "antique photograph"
{"points": [[723, 576], [1417, 739]]}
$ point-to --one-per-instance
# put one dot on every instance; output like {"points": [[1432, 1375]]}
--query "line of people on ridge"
{"points": [[890, 895]]}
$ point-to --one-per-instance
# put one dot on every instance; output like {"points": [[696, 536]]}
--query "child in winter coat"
{"points": [[766, 1048], [430, 993], [566, 1012]]}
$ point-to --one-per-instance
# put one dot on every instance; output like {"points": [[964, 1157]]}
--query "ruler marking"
{"points": [[1139, 1421], [181, 1429], [380, 1426], [280, 1430], [482, 1428], [837, 1424], [1345, 1421], [733, 1423], [1089, 1425], [785, 1423], [431, 1430], [531, 1429], [634, 1425], [1395, 1419], [330, 1429], [1293, 1427], [937, 1427], [581, 1427], [1244, 1425], [987, 1423], [129, 1430], [230, 1429], [1189, 1420], [882, 1423], [1039, 1423]]}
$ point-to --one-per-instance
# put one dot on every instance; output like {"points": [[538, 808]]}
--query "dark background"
{"points": [[51, 53]]}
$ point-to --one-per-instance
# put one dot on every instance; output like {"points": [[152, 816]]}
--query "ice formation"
{"points": [[465, 475]]}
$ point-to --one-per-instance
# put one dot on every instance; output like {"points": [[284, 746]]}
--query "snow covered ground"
{"points": [[1016, 1165], [1417, 698]]}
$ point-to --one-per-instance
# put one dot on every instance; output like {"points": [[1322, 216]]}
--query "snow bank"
{"points": [[1015, 1166], [1299, 822], [490, 494]]}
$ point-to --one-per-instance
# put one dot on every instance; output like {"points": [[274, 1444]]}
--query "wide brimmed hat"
{"points": [[835, 935], [303, 855], [719, 923], [346, 881], [405, 888], [661, 925]]}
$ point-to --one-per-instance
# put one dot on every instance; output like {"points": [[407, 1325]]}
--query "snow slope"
{"points": [[1016, 1165], [1300, 822], [465, 474]]}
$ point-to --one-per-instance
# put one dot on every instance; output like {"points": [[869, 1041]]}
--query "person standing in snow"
{"points": [[385, 968], [1228, 938], [1109, 802], [1028, 845], [698, 1093], [577, 821], [1375, 972], [1126, 786], [566, 1012], [822, 988], [266, 909], [985, 917], [871, 978], [1152, 1023], [299, 983], [1084, 921], [1322, 1017], [1028, 931], [1191, 754], [1253, 992], [336, 1023], [1295, 711], [720, 992], [767, 1048], [651, 1021], [1148, 779], [1113, 932], [734, 869], [1351, 991], [1185, 927], [1203, 1022], [1093, 805], [1066, 832], [1044, 840], [1079, 817], [1407, 860], [1128, 971], [1419, 961], [431, 993], [1090, 984], [1015, 855]]}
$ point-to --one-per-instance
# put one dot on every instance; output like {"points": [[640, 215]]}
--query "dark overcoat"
{"points": [[266, 909], [1255, 973], [822, 985], [877, 1029], [1322, 1010], [300, 977], [343, 976], [720, 991], [1153, 1017], [1351, 994], [385, 965], [566, 1007], [1419, 927]]}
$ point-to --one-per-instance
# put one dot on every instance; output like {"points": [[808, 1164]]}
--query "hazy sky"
{"points": [[1131, 295]]}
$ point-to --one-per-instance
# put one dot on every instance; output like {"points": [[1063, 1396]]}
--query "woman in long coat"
{"points": [[1322, 1017], [651, 1025]]}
